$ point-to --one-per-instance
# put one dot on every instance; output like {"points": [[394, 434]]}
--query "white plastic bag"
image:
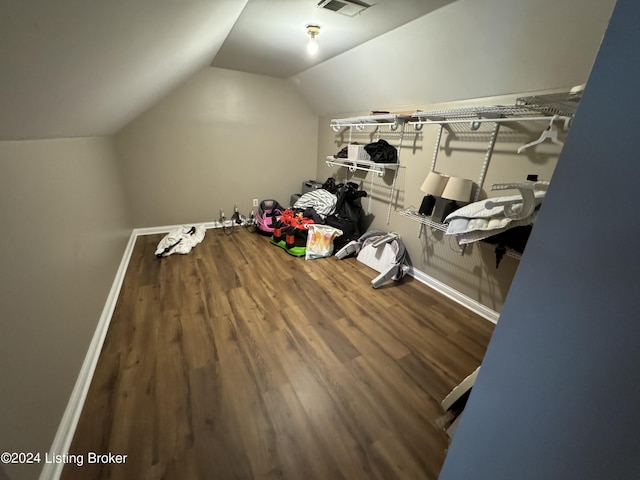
{"points": [[320, 241]]}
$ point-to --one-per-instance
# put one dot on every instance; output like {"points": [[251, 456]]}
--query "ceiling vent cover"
{"points": [[349, 8]]}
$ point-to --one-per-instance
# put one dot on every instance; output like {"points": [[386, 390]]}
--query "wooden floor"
{"points": [[241, 361]]}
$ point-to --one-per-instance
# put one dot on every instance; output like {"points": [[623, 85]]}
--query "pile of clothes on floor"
{"points": [[335, 205]]}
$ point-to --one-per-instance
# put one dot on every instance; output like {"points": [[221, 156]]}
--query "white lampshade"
{"points": [[458, 189], [434, 184]]}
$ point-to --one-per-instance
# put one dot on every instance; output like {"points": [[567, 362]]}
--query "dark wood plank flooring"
{"points": [[238, 361]]}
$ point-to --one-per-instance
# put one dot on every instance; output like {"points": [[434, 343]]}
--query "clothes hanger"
{"points": [[549, 133]]}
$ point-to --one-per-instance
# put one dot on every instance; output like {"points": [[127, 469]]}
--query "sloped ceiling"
{"points": [[270, 36], [86, 67], [464, 50], [73, 68]]}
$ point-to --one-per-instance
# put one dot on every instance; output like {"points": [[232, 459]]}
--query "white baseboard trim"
{"points": [[66, 429], [460, 298], [168, 228]]}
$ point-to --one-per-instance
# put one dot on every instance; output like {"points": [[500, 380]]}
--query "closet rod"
{"points": [[353, 166], [391, 118], [336, 127]]}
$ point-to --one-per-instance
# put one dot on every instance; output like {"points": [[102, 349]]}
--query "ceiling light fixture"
{"points": [[312, 44]]}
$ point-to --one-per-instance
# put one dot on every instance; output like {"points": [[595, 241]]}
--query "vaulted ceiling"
{"points": [[88, 67], [270, 36]]}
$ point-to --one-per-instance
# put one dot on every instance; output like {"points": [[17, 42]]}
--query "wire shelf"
{"points": [[538, 107], [429, 222], [423, 219], [565, 103], [395, 123], [475, 113]]}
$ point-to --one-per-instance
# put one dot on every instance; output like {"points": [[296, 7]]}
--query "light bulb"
{"points": [[312, 46]]}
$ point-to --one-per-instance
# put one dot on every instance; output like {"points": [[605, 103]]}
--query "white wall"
{"points": [[65, 228], [467, 49], [222, 137]]}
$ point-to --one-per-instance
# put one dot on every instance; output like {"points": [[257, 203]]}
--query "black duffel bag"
{"points": [[348, 226], [347, 215]]}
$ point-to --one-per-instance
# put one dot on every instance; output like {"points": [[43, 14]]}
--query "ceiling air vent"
{"points": [[349, 8]]}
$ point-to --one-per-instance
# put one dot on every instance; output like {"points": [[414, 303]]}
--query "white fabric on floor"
{"points": [[180, 240]]}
